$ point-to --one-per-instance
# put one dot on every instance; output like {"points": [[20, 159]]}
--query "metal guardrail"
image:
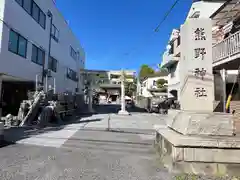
{"points": [[227, 48]]}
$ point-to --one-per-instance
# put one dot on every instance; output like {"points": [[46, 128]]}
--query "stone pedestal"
{"points": [[197, 140], [195, 154], [1, 132], [123, 112], [200, 123]]}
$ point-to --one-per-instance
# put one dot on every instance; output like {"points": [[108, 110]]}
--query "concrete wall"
{"points": [[18, 19], [206, 8]]}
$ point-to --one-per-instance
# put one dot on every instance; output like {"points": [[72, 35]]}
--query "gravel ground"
{"points": [[21, 162], [90, 154], [83, 158]]}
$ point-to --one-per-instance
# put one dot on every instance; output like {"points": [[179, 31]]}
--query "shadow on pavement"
{"points": [[14, 134], [114, 108], [5, 143]]}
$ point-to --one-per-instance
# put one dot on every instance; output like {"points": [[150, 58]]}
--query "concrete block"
{"points": [[207, 155], [202, 123]]}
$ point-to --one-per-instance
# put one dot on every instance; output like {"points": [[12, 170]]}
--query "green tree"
{"points": [[145, 71], [130, 88], [161, 83]]}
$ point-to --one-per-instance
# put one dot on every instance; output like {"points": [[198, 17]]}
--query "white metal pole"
{"points": [[54, 85], [36, 83], [46, 84]]}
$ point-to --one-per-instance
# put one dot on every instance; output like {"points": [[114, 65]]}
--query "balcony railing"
{"points": [[227, 48]]}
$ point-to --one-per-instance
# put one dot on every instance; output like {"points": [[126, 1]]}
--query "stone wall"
{"points": [[202, 155], [235, 105]]}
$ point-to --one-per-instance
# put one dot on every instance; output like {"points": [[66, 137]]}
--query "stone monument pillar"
{"points": [[196, 139], [196, 79], [123, 110], [197, 84]]}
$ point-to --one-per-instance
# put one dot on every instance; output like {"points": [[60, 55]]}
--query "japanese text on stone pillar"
{"points": [[199, 54]]}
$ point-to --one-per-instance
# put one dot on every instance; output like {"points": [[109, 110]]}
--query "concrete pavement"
{"points": [[83, 150], [139, 123]]}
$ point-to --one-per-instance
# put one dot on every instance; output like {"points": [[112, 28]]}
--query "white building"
{"points": [[24, 33], [149, 86], [25, 44], [115, 76], [171, 57]]}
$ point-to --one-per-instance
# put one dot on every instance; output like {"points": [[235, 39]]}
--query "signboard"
{"points": [[196, 66]]}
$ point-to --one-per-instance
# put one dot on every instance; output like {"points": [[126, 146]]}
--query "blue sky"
{"points": [[120, 33]]}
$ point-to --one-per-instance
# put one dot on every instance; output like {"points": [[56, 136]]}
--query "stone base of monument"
{"points": [[1, 132], [199, 143], [125, 113]]}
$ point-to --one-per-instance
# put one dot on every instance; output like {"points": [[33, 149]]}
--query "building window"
{"points": [[42, 19], [27, 5], [38, 55], [33, 9], [71, 74], [178, 40], [172, 70], [171, 49], [73, 53], [154, 83], [52, 64], [20, 2], [55, 33], [196, 14], [113, 76], [17, 44]]}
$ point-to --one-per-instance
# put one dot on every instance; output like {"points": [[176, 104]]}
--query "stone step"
{"points": [[109, 146]]}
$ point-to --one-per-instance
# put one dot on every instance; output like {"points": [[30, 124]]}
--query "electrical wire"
{"points": [[166, 15], [158, 26]]}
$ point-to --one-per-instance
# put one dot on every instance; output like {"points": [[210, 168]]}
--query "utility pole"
{"points": [[44, 73], [123, 107]]}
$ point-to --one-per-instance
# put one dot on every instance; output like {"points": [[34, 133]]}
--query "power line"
{"points": [[158, 26], [166, 15]]}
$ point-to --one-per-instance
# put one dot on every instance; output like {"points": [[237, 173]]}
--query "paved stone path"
{"points": [[141, 124], [85, 151]]}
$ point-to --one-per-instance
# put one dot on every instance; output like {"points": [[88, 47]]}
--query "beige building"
{"points": [[115, 76], [149, 87]]}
